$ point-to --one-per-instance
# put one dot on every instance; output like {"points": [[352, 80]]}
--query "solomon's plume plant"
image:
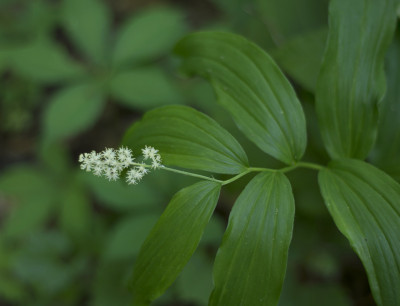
{"points": [[363, 200]]}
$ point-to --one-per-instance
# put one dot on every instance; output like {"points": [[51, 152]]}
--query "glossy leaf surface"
{"points": [[365, 205], [188, 138], [173, 240], [252, 88], [251, 263], [351, 82]]}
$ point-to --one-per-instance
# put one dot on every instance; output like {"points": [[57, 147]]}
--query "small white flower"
{"points": [[110, 163], [109, 156], [137, 174], [152, 153], [111, 174], [155, 164], [124, 152], [146, 152], [149, 152], [85, 159], [143, 169], [86, 166], [133, 176], [98, 170], [82, 157], [125, 157]]}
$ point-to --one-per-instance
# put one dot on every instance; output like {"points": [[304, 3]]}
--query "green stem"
{"points": [[247, 171], [193, 174], [236, 177], [180, 172], [310, 166]]}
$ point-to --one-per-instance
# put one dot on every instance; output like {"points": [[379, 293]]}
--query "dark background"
{"points": [[68, 238]]}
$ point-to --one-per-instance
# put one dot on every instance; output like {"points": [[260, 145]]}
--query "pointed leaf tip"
{"points": [[252, 88]]}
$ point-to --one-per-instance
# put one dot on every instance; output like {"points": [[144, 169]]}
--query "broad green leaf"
{"points": [[88, 24], [188, 139], [44, 61], [365, 205], [251, 262], [128, 235], [351, 82], [252, 88], [144, 88], [148, 35], [301, 57], [72, 110], [173, 240], [387, 148]]}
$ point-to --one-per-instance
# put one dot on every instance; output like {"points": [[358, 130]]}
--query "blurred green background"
{"points": [[75, 74]]}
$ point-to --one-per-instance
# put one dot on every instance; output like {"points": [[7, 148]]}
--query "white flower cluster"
{"points": [[110, 163]]}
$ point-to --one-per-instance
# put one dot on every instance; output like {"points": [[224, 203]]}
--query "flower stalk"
{"points": [[110, 163]]}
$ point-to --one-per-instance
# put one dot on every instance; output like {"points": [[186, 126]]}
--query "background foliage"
{"points": [[75, 74]]}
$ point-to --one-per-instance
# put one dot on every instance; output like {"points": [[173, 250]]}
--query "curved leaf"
{"points": [[365, 205], [45, 61], [89, 33], [251, 263], [173, 240], [351, 81], [148, 35], [189, 139], [252, 88], [72, 110]]}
